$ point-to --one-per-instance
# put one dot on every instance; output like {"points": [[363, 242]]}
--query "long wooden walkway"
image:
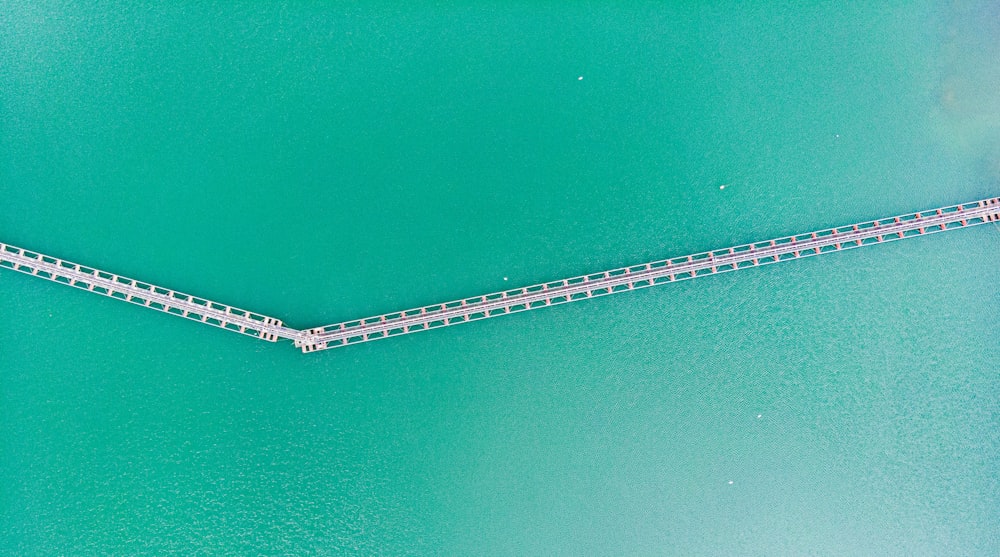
{"points": [[509, 301]]}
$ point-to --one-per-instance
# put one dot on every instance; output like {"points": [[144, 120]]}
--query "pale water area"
{"points": [[320, 163]]}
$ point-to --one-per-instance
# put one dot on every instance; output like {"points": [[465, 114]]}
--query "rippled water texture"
{"points": [[321, 163]]}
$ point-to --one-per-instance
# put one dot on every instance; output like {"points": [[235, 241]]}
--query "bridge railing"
{"points": [[508, 301], [653, 273], [139, 292]]}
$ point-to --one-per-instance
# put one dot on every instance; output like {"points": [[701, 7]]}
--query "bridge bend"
{"points": [[509, 301]]}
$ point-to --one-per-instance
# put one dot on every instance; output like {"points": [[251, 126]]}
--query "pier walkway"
{"points": [[509, 301], [654, 273], [148, 295]]}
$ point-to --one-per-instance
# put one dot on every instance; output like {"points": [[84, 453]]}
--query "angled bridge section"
{"points": [[509, 301], [156, 297], [654, 273]]}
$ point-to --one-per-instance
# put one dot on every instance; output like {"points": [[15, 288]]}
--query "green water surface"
{"points": [[321, 162]]}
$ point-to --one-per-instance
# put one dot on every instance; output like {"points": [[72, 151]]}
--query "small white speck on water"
{"points": [[722, 187], [730, 482], [759, 415], [580, 78], [505, 278]]}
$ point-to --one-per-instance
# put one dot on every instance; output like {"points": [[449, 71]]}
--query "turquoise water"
{"points": [[321, 163]]}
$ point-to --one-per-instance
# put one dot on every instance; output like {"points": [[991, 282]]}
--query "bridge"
{"points": [[148, 295], [509, 301]]}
